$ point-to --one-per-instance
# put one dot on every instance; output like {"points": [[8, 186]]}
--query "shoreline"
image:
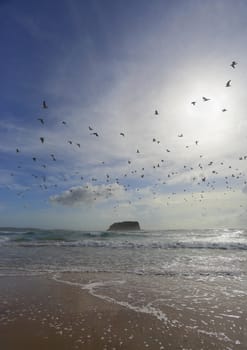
{"points": [[38, 312]]}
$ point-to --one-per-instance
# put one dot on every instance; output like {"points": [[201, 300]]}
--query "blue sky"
{"points": [[109, 65]]}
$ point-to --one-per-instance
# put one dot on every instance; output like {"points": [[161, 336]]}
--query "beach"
{"points": [[38, 312], [177, 289]]}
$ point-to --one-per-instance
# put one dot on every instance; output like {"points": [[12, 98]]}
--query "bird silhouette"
{"points": [[17, 150], [44, 105], [78, 144], [42, 139], [95, 133], [41, 120], [193, 103], [90, 128], [228, 84], [156, 112], [205, 99], [233, 64], [180, 135], [64, 122], [70, 142], [224, 110], [122, 134]]}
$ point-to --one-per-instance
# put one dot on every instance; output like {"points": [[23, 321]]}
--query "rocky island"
{"points": [[125, 226]]}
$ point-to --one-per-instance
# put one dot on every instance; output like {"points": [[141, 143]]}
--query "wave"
{"points": [[67, 236], [166, 239], [135, 245]]}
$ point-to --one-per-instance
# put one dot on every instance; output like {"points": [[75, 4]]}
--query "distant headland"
{"points": [[125, 226]]}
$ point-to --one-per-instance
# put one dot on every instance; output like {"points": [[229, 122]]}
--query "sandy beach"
{"points": [[40, 313]]}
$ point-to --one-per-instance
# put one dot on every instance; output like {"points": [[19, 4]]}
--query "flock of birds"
{"points": [[198, 172]]}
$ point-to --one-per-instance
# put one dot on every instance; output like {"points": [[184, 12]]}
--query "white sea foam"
{"points": [[4, 240], [92, 287], [139, 245]]}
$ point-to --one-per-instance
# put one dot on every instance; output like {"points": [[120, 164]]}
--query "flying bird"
{"points": [[193, 103], [70, 142], [156, 112], [90, 128], [180, 135], [228, 84], [224, 110], [17, 150], [122, 134], [78, 144], [42, 139], [95, 133], [63, 122], [41, 120], [205, 99], [233, 64], [44, 105]]}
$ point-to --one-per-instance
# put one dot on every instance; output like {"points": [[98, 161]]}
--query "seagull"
{"points": [[17, 150], [156, 112], [137, 151], [70, 142], [196, 142], [193, 103], [228, 84], [95, 133], [224, 110], [78, 145], [34, 159], [90, 128], [180, 135], [233, 64], [63, 122], [205, 99], [45, 105], [53, 157], [42, 139], [122, 134], [41, 120], [167, 150]]}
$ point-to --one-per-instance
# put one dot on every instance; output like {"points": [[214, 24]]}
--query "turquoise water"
{"points": [[186, 252]]}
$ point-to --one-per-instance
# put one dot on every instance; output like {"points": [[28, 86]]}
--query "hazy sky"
{"points": [[109, 65]]}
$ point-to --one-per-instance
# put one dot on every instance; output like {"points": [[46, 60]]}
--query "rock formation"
{"points": [[125, 226]]}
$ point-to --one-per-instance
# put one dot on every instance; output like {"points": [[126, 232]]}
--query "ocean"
{"points": [[153, 272]]}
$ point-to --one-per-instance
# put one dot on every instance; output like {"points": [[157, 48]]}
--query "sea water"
{"points": [[165, 273]]}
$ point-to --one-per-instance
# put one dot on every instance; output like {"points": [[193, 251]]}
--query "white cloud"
{"points": [[87, 194]]}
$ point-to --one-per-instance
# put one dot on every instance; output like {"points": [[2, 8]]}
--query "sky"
{"points": [[120, 139]]}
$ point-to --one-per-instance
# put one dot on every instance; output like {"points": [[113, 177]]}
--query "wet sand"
{"points": [[40, 313]]}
